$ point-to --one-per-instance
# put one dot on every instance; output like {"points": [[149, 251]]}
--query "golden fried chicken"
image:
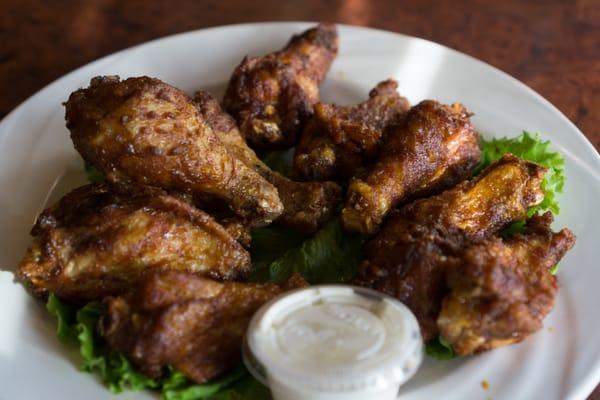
{"points": [[237, 229], [501, 290], [408, 258], [100, 238], [434, 148], [182, 320], [272, 96], [306, 205], [143, 130], [337, 140]]}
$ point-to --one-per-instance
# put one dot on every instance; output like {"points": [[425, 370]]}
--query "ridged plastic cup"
{"points": [[332, 343]]}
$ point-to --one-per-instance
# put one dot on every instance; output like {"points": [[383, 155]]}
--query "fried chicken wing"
{"points": [[408, 258], [434, 148], [143, 130], [337, 140], [179, 319], [501, 290], [272, 96], [306, 205], [99, 239], [238, 229]]}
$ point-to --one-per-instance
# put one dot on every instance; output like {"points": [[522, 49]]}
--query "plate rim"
{"points": [[583, 387]]}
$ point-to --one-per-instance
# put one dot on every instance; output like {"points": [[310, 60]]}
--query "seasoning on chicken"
{"points": [[178, 319], [433, 149], [100, 238], [145, 131], [409, 257], [272, 96], [340, 139], [306, 205], [501, 290]]}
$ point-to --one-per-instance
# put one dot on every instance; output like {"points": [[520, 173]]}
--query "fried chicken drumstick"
{"points": [[178, 319], [434, 148], [145, 131], [306, 205], [501, 290], [408, 258], [337, 140], [272, 96], [100, 238]]}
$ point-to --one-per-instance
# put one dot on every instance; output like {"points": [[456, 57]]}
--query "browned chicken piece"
{"points": [[501, 290], [337, 140], [434, 148], [99, 239], [306, 205], [410, 255], [237, 229], [143, 130], [272, 96], [182, 320]]}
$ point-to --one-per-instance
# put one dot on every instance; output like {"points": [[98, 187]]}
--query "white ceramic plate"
{"points": [[562, 361]]}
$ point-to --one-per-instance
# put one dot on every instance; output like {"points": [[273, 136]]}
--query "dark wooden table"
{"points": [[553, 46]]}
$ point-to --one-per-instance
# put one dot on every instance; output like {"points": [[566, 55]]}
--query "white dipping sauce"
{"points": [[333, 342]]}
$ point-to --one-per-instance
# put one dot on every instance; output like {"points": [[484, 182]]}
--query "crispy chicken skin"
{"points": [[408, 258], [433, 149], [180, 319], [143, 130], [272, 96], [237, 229], [306, 205], [100, 238], [337, 140], [501, 290]]}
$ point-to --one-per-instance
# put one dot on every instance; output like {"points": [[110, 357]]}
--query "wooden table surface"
{"points": [[553, 46]]}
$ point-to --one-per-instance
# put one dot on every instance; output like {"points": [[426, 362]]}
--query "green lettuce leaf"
{"points": [[65, 318], [236, 384], [115, 370], [268, 244], [327, 257], [93, 174], [279, 161], [439, 349]]}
